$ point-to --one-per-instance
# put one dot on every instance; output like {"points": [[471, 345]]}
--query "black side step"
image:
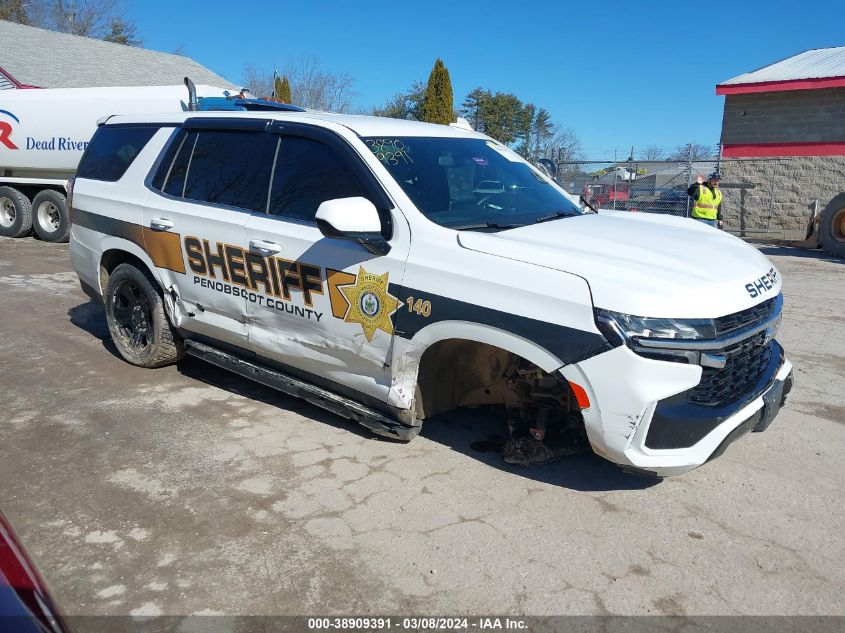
{"points": [[374, 420]]}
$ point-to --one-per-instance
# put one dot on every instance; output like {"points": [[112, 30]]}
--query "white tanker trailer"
{"points": [[43, 133]]}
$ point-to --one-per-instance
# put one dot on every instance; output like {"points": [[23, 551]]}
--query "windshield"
{"points": [[470, 184]]}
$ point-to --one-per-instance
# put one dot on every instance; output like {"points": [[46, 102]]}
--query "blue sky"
{"points": [[617, 73]]}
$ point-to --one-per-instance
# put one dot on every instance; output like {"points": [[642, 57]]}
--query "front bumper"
{"points": [[630, 393]]}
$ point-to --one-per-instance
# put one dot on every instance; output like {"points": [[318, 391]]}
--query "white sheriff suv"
{"points": [[391, 271]]}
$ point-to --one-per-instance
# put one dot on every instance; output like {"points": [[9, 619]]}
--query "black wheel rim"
{"points": [[133, 316]]}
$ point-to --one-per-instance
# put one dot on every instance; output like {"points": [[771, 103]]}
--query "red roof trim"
{"points": [[14, 81], [775, 86], [763, 150]]}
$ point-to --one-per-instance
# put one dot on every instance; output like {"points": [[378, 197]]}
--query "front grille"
{"points": [[737, 320], [745, 364]]}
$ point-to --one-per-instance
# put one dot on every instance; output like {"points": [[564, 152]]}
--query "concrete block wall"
{"points": [[747, 186], [810, 116]]}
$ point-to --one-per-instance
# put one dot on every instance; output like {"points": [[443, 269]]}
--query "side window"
{"points": [[111, 150], [230, 168], [166, 161], [308, 173], [175, 176]]}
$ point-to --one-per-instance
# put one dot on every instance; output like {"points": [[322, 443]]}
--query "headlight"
{"points": [[618, 327]]}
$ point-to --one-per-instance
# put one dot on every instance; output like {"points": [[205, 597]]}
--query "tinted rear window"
{"points": [[231, 168], [111, 150]]}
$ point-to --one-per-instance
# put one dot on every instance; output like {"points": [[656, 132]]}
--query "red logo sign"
{"points": [[6, 130]]}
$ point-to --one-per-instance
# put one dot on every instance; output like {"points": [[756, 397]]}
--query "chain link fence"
{"points": [[762, 197], [640, 186]]}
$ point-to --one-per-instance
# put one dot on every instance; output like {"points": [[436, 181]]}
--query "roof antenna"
{"points": [[193, 105]]}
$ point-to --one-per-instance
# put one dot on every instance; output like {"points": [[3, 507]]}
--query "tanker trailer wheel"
{"points": [[15, 213], [833, 227], [49, 216]]}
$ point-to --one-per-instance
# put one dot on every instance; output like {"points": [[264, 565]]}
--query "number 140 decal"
{"points": [[423, 308]]}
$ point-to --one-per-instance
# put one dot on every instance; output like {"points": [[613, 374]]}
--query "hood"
{"points": [[643, 264]]}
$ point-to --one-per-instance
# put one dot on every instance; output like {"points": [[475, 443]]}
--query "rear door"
{"points": [[213, 175], [328, 305]]}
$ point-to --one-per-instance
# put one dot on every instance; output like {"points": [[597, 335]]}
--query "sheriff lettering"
{"points": [[270, 281], [763, 285]]}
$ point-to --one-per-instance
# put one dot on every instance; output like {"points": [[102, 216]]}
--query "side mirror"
{"points": [[589, 204], [548, 167], [353, 219]]}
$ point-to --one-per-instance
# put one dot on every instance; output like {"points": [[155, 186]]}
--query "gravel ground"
{"points": [[188, 490]]}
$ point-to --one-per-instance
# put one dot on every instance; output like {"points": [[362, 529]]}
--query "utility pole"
{"points": [[615, 178], [689, 172]]}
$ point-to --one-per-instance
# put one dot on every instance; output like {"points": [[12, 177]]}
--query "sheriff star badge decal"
{"points": [[370, 305]]}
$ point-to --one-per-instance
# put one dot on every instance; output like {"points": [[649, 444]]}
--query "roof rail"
{"points": [[207, 104]]}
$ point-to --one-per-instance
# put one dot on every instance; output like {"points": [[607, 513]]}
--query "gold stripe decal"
{"points": [[164, 248]]}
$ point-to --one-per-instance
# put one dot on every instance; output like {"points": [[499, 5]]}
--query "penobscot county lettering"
{"points": [[268, 281]]}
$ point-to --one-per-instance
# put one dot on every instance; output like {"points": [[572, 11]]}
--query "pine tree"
{"points": [[122, 32], [283, 92], [277, 88], [473, 107], [13, 11], [542, 128], [438, 105]]}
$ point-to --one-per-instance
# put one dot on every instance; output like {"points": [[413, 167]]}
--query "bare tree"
{"points": [[313, 87], [561, 144], [90, 18], [310, 85], [652, 152], [259, 82], [696, 151]]}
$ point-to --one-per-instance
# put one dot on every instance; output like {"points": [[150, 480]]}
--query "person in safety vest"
{"points": [[707, 200]]}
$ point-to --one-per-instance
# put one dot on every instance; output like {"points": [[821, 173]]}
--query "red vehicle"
{"points": [[25, 603], [603, 195]]}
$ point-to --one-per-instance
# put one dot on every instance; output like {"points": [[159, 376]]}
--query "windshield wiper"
{"points": [[554, 216], [483, 225]]}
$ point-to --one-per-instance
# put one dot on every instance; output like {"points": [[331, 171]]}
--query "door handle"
{"points": [[263, 246], [161, 224]]}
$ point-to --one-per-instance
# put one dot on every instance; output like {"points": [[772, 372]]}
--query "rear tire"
{"points": [[137, 321], [832, 227], [15, 213], [49, 216]]}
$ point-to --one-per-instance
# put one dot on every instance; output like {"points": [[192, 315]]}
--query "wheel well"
{"points": [[458, 372], [113, 258]]}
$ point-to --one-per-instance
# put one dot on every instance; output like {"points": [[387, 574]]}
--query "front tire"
{"points": [[49, 216], [137, 321], [15, 213], [832, 227]]}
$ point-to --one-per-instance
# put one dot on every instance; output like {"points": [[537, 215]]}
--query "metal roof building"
{"points": [[785, 123], [813, 69], [790, 108], [33, 57]]}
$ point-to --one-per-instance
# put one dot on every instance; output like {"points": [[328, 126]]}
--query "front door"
{"points": [[206, 186], [327, 306]]}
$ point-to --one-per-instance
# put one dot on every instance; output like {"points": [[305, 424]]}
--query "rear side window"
{"points": [[175, 185], [111, 150], [307, 174], [225, 167]]}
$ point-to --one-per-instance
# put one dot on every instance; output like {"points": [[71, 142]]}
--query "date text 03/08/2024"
{"points": [[418, 624]]}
